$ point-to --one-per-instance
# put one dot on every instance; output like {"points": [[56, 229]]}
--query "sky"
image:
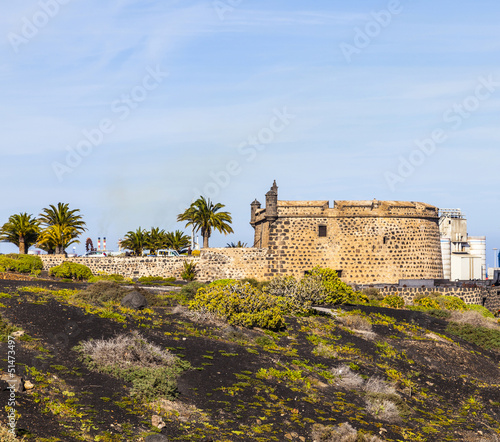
{"points": [[129, 110]]}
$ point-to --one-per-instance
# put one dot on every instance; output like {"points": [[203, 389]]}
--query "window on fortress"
{"points": [[322, 231]]}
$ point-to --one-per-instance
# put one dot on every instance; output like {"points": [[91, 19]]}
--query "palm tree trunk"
{"points": [[22, 246], [205, 241]]}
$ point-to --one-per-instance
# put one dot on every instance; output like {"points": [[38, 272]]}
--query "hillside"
{"points": [[392, 375]]}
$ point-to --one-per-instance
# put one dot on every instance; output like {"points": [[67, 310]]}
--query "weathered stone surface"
{"points": [[157, 421], [134, 300], [13, 381]]}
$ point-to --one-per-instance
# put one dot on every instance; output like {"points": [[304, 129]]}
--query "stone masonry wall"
{"points": [[367, 249], [212, 264], [474, 295]]}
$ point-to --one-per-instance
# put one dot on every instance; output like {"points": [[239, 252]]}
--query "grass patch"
{"points": [[484, 337]]}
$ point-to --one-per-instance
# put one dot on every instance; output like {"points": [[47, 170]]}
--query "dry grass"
{"points": [[346, 378], [473, 318], [125, 351], [376, 385], [383, 409], [356, 322], [7, 436], [341, 433], [202, 316]]}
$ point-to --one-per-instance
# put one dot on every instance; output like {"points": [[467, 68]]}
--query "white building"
{"points": [[464, 256]]}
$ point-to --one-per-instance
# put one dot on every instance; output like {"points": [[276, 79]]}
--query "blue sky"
{"points": [[336, 97]]}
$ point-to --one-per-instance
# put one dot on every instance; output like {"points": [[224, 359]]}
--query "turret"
{"points": [[254, 207], [272, 203]]}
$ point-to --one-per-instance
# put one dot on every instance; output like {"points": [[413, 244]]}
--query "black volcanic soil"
{"points": [[448, 389]]}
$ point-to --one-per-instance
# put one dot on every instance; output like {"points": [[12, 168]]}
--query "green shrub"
{"points": [[261, 285], [21, 263], [71, 270], [437, 313], [241, 304], [426, 302], [451, 303], [480, 309], [153, 279], [320, 286], [373, 294], [223, 282], [335, 290], [113, 277], [188, 292], [394, 301], [189, 272], [484, 337]]}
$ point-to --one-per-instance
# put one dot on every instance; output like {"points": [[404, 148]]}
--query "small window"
{"points": [[322, 231]]}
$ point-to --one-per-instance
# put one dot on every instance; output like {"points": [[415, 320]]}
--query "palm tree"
{"points": [[21, 230], [177, 240], [155, 239], [204, 215], [135, 241], [239, 244], [57, 238], [69, 226]]}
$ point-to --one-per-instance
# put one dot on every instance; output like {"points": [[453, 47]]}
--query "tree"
{"points": [[135, 241], [63, 226], [177, 240], [155, 239], [21, 230], [239, 244], [205, 216]]}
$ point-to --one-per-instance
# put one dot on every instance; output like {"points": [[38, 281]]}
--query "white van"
{"points": [[167, 252]]}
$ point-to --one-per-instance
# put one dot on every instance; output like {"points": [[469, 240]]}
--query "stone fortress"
{"points": [[392, 245], [365, 241]]}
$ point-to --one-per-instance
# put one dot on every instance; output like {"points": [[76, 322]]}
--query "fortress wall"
{"points": [[212, 264]]}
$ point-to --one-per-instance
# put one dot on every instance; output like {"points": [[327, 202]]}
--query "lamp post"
{"points": [[495, 265]]}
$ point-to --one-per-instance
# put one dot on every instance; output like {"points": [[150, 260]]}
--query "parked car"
{"points": [[167, 252], [95, 254]]}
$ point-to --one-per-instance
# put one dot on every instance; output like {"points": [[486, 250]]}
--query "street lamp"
{"points": [[495, 265]]}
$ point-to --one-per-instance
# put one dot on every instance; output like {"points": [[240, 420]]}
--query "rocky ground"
{"points": [[395, 374]]}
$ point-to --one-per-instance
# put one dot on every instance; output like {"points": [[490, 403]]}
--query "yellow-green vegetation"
{"points": [[71, 270], [21, 263], [241, 304], [112, 277], [487, 338], [393, 301], [6, 329]]}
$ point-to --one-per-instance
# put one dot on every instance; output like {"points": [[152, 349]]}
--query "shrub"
{"points": [[356, 322], [71, 270], [151, 370], [241, 304], [153, 279], [222, 282], [21, 263], [482, 336], [103, 277], [320, 286], [188, 292], [335, 290], [346, 378], [473, 318], [383, 409], [195, 253], [6, 330], [451, 303], [426, 302], [7, 436], [483, 310], [376, 385], [373, 294], [394, 301], [341, 433], [189, 272], [261, 285]]}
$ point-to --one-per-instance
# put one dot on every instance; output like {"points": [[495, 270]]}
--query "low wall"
{"points": [[212, 264], [470, 295]]}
